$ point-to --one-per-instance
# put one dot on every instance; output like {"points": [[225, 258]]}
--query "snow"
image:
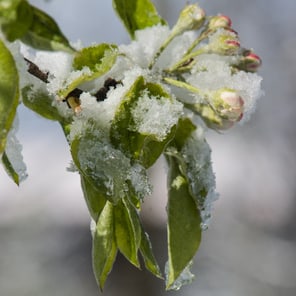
{"points": [[156, 115]]}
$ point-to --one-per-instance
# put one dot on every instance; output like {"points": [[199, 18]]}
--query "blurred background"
{"points": [[250, 246]]}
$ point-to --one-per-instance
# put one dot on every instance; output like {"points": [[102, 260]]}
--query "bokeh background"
{"points": [[250, 247]]}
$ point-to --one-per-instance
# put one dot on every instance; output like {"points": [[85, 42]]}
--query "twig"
{"points": [[35, 71]]}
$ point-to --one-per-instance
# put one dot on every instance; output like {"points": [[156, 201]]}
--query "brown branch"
{"points": [[72, 98], [35, 71]]}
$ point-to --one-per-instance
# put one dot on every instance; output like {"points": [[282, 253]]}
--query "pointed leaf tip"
{"points": [[137, 14]]}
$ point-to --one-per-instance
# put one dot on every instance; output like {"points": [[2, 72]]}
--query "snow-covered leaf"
{"points": [[90, 63], [10, 169], [137, 14], [131, 131], [106, 168], [104, 245], [42, 103], [9, 93]]}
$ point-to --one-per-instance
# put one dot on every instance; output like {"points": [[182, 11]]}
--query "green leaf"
{"points": [[104, 245], [148, 256], [137, 14], [93, 61], [41, 103], [18, 20], [127, 230], [145, 148], [10, 169], [185, 128], [9, 93], [105, 167], [184, 229], [94, 199], [45, 34]]}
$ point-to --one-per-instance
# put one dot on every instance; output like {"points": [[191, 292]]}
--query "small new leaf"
{"points": [[41, 103], [137, 14], [148, 256], [10, 169], [97, 59], [104, 245], [127, 230], [9, 93]]}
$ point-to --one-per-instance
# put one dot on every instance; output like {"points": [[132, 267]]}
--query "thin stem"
{"points": [[182, 84], [186, 60], [161, 49]]}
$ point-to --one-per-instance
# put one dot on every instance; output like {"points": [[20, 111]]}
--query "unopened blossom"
{"points": [[224, 42], [219, 21], [228, 104], [250, 62], [191, 17]]}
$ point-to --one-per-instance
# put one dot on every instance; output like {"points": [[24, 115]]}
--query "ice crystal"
{"points": [[197, 156], [186, 277]]}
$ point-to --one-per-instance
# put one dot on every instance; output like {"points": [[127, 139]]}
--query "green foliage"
{"points": [[9, 93], [10, 169], [112, 155], [41, 103], [184, 231], [20, 20], [93, 61], [137, 14], [143, 148], [104, 244]]}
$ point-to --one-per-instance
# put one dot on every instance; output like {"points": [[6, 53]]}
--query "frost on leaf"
{"points": [[12, 158], [196, 154]]}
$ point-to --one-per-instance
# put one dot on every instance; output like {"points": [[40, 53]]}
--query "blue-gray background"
{"points": [[250, 247]]}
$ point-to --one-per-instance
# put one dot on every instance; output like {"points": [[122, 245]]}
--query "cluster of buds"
{"points": [[220, 108]]}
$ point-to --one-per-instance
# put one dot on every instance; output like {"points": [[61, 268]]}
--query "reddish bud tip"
{"points": [[219, 21]]}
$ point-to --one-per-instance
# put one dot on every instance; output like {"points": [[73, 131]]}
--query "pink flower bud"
{"points": [[252, 62], [219, 21], [228, 104], [234, 110], [224, 42]]}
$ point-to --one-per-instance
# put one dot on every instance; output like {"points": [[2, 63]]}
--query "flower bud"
{"points": [[219, 21], [191, 17], [224, 42], [228, 104], [250, 62]]}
